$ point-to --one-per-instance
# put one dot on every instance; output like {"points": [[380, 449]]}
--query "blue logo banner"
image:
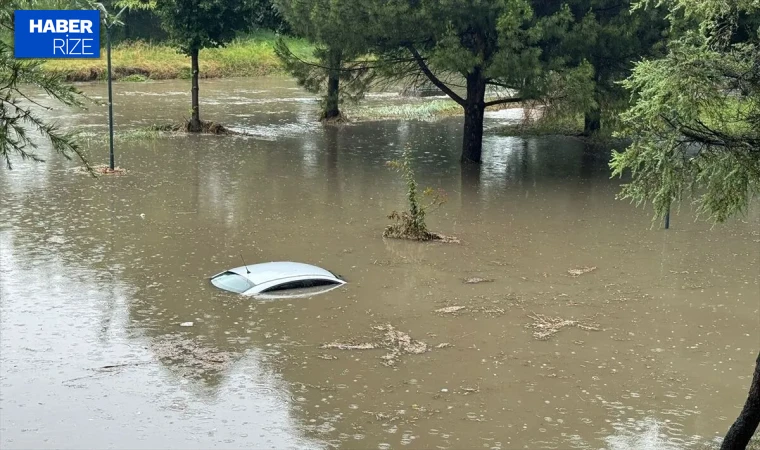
{"points": [[71, 34]]}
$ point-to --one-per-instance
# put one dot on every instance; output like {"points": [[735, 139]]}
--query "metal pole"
{"points": [[667, 219], [110, 96]]}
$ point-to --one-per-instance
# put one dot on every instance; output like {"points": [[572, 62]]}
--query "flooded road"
{"points": [[590, 330]]}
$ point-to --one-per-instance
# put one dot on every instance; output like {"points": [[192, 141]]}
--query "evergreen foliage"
{"points": [[695, 123], [193, 25], [335, 70], [18, 118], [480, 53]]}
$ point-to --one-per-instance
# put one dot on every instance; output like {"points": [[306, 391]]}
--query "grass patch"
{"points": [[138, 134], [250, 56], [420, 111], [415, 110], [151, 132], [135, 78], [536, 124]]}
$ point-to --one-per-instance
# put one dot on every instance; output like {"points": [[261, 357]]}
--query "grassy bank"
{"points": [[418, 110], [542, 126], [252, 56], [414, 110]]}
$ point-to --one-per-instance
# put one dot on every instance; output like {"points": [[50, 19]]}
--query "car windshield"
{"points": [[300, 284], [232, 282]]}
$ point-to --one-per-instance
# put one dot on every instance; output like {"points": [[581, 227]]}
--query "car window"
{"points": [[231, 281], [300, 284]]}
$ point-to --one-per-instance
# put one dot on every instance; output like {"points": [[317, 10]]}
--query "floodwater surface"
{"points": [[561, 319]]}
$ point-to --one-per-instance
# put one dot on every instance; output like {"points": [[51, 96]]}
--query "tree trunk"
{"points": [[195, 120], [746, 424], [332, 110], [332, 172], [470, 180], [592, 122], [474, 109]]}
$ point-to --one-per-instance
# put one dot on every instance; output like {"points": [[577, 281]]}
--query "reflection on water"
{"points": [[109, 323], [649, 434], [73, 360]]}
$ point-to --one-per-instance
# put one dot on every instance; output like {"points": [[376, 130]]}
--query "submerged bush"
{"points": [[411, 224]]}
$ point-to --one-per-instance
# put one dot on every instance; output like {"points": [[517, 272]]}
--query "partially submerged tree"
{"points": [[695, 124], [336, 28], [611, 36], [197, 24], [695, 128], [479, 53]]}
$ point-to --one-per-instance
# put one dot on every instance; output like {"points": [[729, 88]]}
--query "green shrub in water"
{"points": [[411, 224]]}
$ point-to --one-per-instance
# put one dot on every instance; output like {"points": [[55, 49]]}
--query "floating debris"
{"points": [[342, 346], [110, 171], [499, 263], [438, 237], [493, 311], [476, 280], [103, 370], [395, 341], [399, 342], [443, 345], [100, 170], [193, 358], [468, 390], [580, 271], [545, 327], [450, 309]]}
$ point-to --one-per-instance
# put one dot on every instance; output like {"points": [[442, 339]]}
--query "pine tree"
{"points": [[695, 128], [611, 36], [197, 24], [334, 68], [695, 124], [480, 53]]}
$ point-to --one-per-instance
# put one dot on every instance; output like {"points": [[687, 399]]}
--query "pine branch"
{"points": [[433, 79], [503, 101]]}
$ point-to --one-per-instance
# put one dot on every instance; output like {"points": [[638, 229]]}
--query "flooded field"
{"points": [[561, 320]]}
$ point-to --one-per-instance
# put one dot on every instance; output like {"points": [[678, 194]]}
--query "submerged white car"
{"points": [[277, 280]]}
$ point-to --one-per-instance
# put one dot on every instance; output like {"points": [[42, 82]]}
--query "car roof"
{"points": [[263, 272]]}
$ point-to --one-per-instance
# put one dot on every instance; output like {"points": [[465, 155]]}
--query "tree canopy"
{"points": [[610, 35], [338, 29], [695, 123], [568, 55], [193, 25], [479, 53], [198, 24], [694, 128]]}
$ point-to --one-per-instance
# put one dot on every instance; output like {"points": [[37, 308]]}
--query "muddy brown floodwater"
{"points": [[587, 329]]}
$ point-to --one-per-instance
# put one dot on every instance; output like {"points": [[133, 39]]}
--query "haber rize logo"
{"points": [[57, 34]]}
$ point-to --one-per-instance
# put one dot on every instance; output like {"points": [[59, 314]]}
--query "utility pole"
{"points": [[110, 97], [108, 22], [667, 218]]}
